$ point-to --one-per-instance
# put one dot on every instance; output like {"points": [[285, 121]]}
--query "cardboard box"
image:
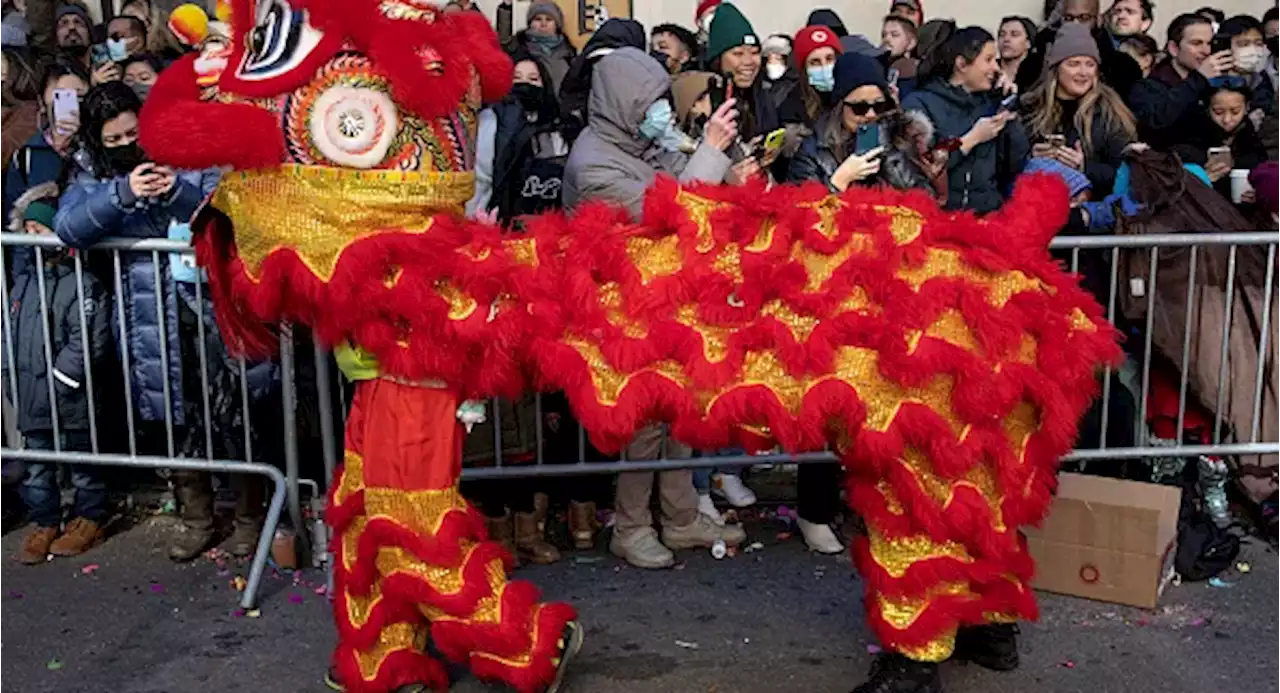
{"points": [[1107, 539]]}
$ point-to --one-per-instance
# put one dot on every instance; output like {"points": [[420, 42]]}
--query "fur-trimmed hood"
{"points": [[35, 192]]}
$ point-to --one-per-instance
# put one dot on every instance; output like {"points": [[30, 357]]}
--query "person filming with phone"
{"points": [[1169, 104], [973, 108]]}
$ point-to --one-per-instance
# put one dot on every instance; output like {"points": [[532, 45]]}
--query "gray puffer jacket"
{"points": [[611, 160]]}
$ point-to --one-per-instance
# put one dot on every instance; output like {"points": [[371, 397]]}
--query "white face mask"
{"points": [[1249, 58], [775, 71]]}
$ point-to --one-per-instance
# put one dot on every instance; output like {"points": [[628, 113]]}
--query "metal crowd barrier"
{"points": [[531, 447]]}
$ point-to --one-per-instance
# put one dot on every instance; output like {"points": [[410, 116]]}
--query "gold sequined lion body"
{"points": [[945, 358]]}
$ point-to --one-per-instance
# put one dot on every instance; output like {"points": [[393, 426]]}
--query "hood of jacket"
{"points": [[954, 96], [35, 192], [626, 83]]}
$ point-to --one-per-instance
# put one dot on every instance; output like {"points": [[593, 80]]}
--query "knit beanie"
{"points": [[828, 18], [1071, 41], [548, 8], [853, 71], [729, 30], [685, 90], [811, 38], [1265, 180], [704, 7], [40, 212], [1076, 181], [72, 8], [776, 44]]}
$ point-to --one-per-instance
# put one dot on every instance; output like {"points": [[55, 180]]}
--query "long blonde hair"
{"points": [[1044, 112]]}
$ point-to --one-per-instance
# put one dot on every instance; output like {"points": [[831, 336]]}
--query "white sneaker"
{"points": [[731, 488], [641, 549], [708, 508], [820, 538]]}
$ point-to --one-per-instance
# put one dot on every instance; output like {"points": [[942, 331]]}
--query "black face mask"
{"points": [[662, 58], [529, 96], [125, 158], [1273, 45]]}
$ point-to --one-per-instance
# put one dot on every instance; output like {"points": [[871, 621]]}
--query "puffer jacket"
{"points": [[611, 160], [67, 343], [977, 180], [94, 208]]}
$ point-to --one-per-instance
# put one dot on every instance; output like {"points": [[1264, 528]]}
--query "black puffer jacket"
{"points": [[576, 88], [977, 180], [67, 345]]}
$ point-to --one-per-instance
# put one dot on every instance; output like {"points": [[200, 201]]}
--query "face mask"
{"points": [[822, 78], [657, 120], [125, 158], [117, 49], [661, 57], [545, 41], [1249, 59], [775, 71], [1273, 45], [529, 96], [141, 90]]}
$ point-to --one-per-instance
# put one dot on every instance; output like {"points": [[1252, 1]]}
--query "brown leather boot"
{"points": [[249, 516], [501, 531], [583, 525], [530, 542], [195, 500], [79, 536], [35, 548], [541, 503]]}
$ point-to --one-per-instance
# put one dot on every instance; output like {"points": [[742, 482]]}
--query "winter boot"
{"points": [[501, 531], [79, 536], [248, 523], [530, 542], [195, 498], [993, 646], [894, 673], [583, 525]]}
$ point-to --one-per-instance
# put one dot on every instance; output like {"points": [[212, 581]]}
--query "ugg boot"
{"points": [[583, 525], [501, 531], [530, 542], [249, 515], [194, 491]]}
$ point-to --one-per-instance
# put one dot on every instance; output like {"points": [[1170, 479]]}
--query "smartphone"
{"points": [[774, 141], [66, 104], [892, 76], [866, 139], [1219, 44], [1009, 103], [1218, 155], [1055, 140], [100, 54], [721, 90]]}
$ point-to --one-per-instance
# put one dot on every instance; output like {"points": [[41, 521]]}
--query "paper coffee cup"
{"points": [[1239, 184]]}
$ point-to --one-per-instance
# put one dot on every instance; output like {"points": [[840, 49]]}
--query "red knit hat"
{"points": [[703, 7], [810, 39]]}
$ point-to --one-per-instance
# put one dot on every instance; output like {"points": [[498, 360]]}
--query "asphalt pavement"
{"points": [[123, 619]]}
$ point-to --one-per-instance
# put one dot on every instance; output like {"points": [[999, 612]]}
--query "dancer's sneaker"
{"points": [[993, 646], [731, 488], [894, 673], [570, 644]]}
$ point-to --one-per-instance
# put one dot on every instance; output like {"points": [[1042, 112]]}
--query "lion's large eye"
{"points": [[280, 40]]}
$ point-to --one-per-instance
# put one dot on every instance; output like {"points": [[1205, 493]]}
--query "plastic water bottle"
{"points": [[719, 550]]}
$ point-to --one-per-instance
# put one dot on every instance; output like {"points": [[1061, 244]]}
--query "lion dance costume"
{"points": [[944, 357]]}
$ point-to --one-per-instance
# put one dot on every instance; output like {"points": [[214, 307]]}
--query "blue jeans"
{"points": [[702, 475], [40, 490]]}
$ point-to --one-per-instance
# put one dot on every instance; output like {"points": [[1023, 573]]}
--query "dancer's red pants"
{"points": [[412, 561]]}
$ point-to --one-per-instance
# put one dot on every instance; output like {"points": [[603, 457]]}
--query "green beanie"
{"points": [[729, 30], [40, 212]]}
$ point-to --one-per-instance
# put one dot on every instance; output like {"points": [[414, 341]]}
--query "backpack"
{"points": [[1204, 549]]}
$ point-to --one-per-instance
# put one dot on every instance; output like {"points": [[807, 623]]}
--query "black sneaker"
{"points": [[570, 643], [993, 646], [894, 673]]}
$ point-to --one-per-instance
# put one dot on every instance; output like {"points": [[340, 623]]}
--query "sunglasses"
{"points": [[861, 108]]}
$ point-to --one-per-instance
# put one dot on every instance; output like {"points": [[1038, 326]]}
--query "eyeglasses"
{"points": [[1083, 18], [861, 108]]}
